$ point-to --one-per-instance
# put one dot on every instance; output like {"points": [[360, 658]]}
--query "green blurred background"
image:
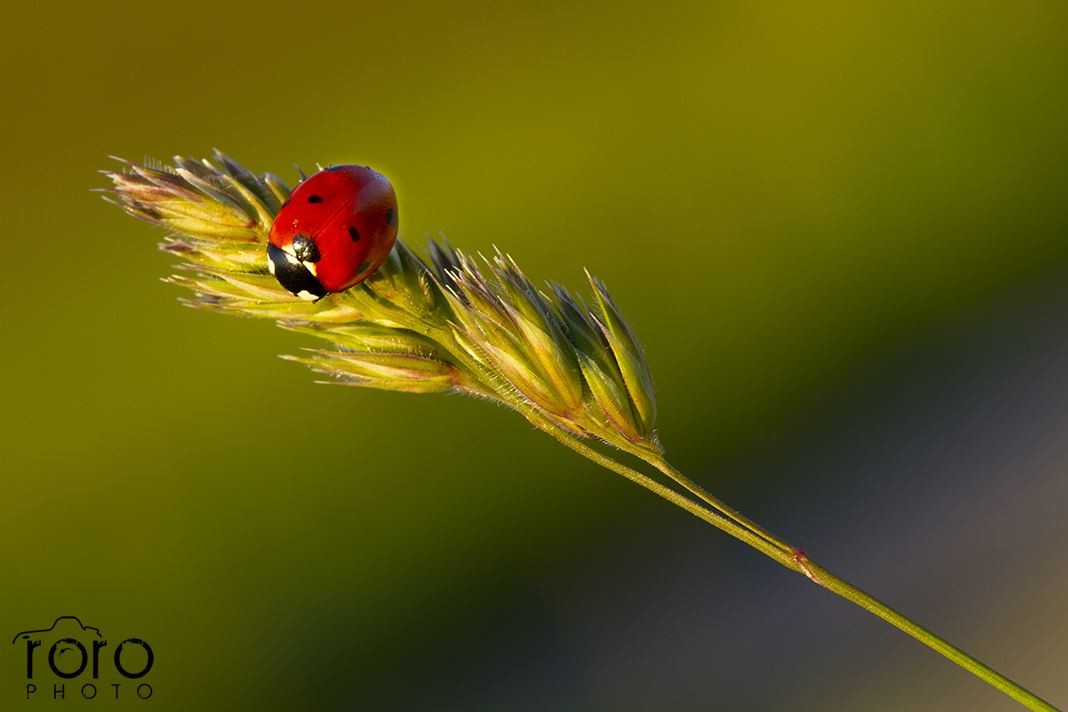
{"points": [[838, 229]]}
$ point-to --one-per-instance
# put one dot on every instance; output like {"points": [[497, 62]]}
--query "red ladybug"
{"points": [[334, 231]]}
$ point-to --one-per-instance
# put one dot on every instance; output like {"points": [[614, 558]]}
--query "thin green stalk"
{"points": [[796, 560], [657, 461], [736, 530], [992, 677]]}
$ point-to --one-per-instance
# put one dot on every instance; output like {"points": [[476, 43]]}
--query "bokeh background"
{"points": [[838, 229]]}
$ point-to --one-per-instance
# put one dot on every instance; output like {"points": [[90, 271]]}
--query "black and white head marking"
{"points": [[296, 275]]}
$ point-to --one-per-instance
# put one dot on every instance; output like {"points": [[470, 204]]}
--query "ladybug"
{"points": [[335, 229]]}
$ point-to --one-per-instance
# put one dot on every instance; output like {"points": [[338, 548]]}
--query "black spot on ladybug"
{"points": [[354, 234], [305, 250], [315, 198], [391, 218]]}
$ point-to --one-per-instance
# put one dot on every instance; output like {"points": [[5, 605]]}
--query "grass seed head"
{"points": [[455, 323]]}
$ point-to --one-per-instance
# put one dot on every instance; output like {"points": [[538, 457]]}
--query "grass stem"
{"points": [[730, 521]]}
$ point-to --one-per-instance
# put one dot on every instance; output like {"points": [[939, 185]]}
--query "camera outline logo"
{"points": [[71, 651]]}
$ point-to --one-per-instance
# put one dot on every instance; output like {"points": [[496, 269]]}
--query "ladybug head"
{"points": [[305, 250], [296, 271]]}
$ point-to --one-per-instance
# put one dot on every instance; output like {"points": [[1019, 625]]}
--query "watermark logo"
{"points": [[70, 659]]}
